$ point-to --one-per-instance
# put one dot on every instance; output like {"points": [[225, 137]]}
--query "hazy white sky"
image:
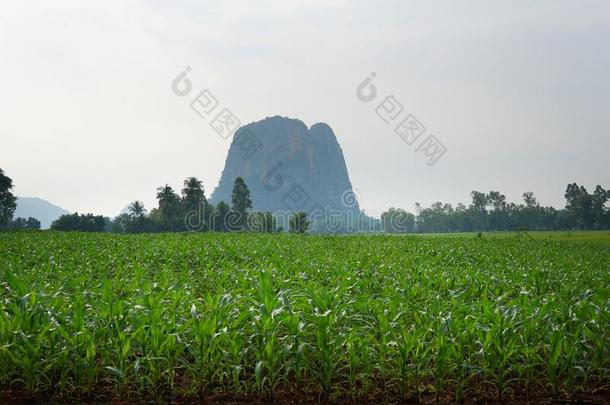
{"points": [[518, 91]]}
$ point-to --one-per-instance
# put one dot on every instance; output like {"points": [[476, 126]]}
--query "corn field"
{"points": [[314, 318]]}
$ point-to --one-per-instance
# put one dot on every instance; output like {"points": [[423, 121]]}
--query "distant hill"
{"points": [[40, 209]]}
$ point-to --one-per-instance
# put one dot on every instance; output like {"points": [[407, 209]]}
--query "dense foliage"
{"points": [[191, 211], [7, 199], [298, 222], [491, 212], [396, 220], [356, 317], [80, 222], [23, 223]]}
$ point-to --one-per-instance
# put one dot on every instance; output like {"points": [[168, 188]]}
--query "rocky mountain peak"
{"points": [[288, 167]]}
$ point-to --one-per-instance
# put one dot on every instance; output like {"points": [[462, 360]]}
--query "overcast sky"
{"points": [[518, 92]]}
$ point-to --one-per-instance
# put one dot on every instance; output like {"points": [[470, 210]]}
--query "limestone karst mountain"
{"points": [[288, 167]]}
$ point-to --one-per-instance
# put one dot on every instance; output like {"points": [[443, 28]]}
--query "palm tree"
{"points": [[170, 208], [137, 209], [192, 194]]}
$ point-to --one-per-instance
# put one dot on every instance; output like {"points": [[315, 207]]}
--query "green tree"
{"points": [[529, 199], [17, 223], [8, 202], [479, 208], [503, 216], [497, 217], [261, 221], [479, 201], [529, 216], [155, 220], [192, 193], [298, 222], [579, 204], [599, 200], [220, 216], [137, 209], [82, 223], [195, 204], [121, 223], [170, 208], [32, 223], [396, 220], [241, 203], [136, 220]]}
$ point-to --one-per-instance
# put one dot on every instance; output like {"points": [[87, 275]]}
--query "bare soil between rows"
{"points": [[19, 396]]}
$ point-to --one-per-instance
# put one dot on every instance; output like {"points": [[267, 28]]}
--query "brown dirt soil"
{"points": [[17, 396]]}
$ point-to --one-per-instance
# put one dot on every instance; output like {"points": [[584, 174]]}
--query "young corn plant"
{"points": [[326, 351], [414, 355], [295, 344], [205, 334], [267, 314]]}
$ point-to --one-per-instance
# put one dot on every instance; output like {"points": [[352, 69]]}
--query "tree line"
{"points": [[190, 210], [491, 212], [187, 211]]}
